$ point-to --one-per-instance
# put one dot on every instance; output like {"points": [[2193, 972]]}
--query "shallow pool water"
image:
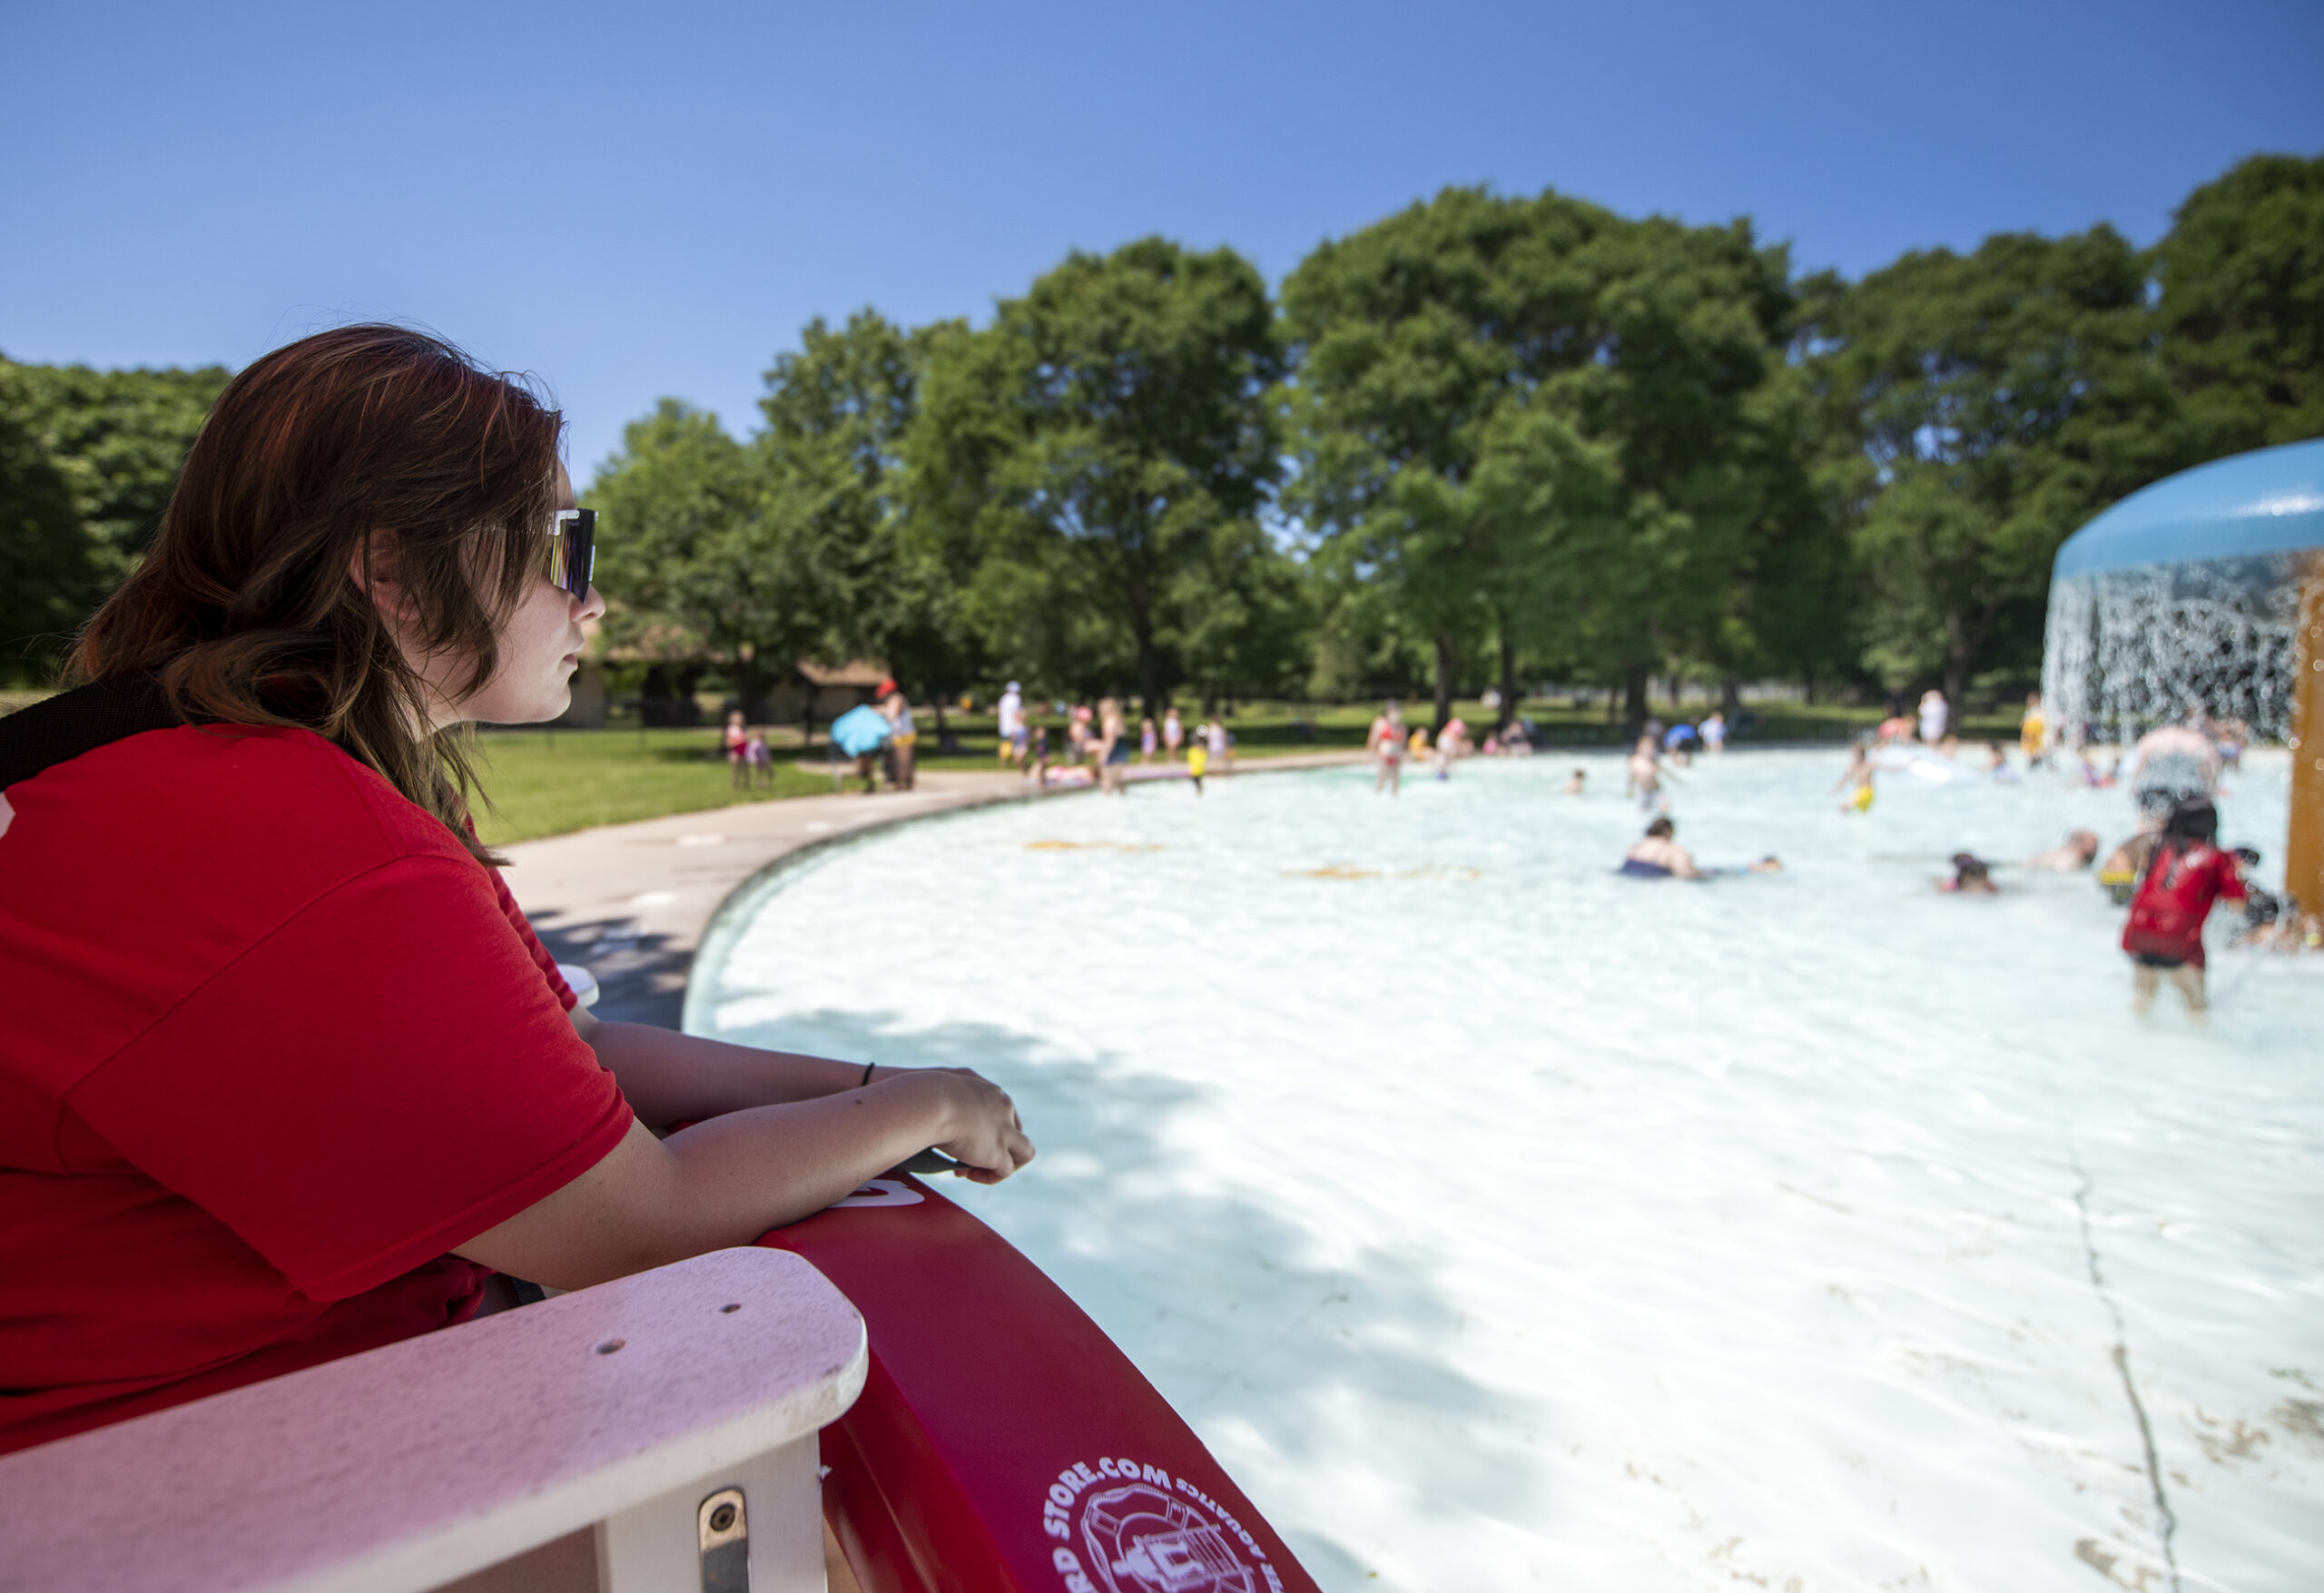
{"points": [[1505, 1224]]}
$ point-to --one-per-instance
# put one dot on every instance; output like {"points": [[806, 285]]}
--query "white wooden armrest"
{"points": [[409, 1466]]}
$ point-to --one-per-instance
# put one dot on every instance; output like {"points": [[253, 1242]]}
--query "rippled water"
{"points": [[1503, 1222]]}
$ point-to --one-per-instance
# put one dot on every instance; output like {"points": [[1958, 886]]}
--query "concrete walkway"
{"points": [[632, 901]]}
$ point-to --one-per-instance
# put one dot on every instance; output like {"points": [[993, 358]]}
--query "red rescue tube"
{"points": [[1002, 1443]]}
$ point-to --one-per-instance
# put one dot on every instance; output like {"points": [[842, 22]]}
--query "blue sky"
{"points": [[635, 201]]}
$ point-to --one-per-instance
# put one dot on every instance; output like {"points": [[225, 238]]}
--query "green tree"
{"points": [[87, 461], [1684, 378], [838, 413], [699, 542], [1542, 426], [1411, 336], [1088, 448], [47, 576], [2241, 306], [2002, 398], [118, 438]]}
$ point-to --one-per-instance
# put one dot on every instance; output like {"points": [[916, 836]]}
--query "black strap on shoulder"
{"points": [[61, 728]]}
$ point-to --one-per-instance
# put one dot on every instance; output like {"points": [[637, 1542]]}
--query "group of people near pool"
{"points": [[1095, 748], [752, 763], [1392, 743]]}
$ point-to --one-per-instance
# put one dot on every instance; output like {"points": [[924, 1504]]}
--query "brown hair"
{"points": [[370, 443]]}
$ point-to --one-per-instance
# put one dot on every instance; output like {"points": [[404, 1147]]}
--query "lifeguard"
{"points": [[285, 1074]]}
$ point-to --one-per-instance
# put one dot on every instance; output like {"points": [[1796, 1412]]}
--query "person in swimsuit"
{"points": [[737, 742], [1859, 773], [1972, 876], [1198, 760], [2034, 731], [1573, 782], [1656, 855], [1645, 776], [2079, 851], [1113, 747], [1385, 741]]}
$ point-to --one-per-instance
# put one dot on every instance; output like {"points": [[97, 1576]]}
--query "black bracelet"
{"points": [[867, 1076]]}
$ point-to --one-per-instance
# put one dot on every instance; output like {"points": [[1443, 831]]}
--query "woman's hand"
{"points": [[984, 1134]]}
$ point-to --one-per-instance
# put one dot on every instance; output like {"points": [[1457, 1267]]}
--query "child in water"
{"points": [[1972, 876], [1859, 774], [2164, 937], [1198, 760]]}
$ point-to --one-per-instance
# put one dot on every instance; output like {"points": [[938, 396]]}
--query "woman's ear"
{"points": [[371, 565]]}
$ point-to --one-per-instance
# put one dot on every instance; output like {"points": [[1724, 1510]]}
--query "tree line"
{"points": [[1488, 440]]}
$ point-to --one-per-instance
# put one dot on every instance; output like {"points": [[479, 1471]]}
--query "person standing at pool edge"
{"points": [[1113, 747], [1009, 726], [1385, 741], [326, 1085]]}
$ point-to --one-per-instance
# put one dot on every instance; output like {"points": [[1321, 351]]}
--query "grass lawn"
{"points": [[549, 782]]}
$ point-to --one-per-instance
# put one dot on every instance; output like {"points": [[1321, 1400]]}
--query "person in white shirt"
{"points": [[1012, 724], [1936, 713]]}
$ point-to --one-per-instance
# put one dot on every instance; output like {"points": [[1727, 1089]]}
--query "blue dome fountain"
{"points": [[2186, 595]]}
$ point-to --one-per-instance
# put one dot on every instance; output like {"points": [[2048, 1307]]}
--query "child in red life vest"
{"points": [[2165, 932]]}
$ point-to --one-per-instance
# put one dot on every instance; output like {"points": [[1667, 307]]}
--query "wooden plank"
{"points": [[2304, 845], [411, 1465]]}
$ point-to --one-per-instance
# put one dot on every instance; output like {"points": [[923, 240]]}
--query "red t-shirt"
{"points": [[272, 1045], [2174, 899]]}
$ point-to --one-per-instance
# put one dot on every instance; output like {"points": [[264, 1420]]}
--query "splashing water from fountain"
{"points": [[2129, 649]]}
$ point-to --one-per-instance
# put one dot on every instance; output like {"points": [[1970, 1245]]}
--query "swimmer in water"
{"points": [[2079, 851], [1197, 760], [1656, 855], [1972, 876], [1573, 782]]}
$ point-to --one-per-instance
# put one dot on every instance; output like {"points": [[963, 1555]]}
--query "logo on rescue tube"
{"points": [[1123, 1527]]}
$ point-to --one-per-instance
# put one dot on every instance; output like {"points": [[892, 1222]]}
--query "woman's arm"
{"points": [[727, 1181], [670, 1077]]}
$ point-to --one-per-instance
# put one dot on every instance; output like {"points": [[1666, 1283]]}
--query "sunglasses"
{"points": [[572, 549]]}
